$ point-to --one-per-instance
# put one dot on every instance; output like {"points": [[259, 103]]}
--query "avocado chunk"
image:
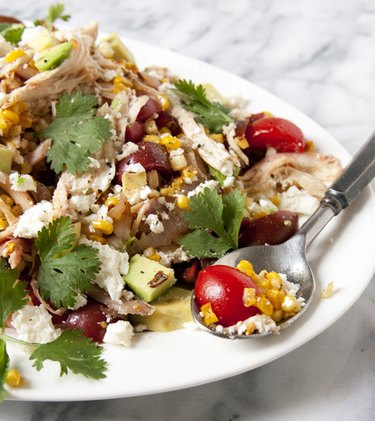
{"points": [[120, 51], [172, 310], [52, 57], [147, 278], [6, 156]]}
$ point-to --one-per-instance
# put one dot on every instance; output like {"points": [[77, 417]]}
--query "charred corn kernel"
{"points": [[264, 305], [151, 138], [3, 224], [7, 200], [183, 202], [166, 191], [16, 210], [12, 116], [242, 142], [276, 296], [19, 107], [249, 297], [188, 173], [164, 101], [177, 183], [217, 137], [120, 84], [310, 146], [26, 167], [151, 127], [247, 268], [97, 238], [14, 378], [170, 142], [26, 121], [275, 200], [105, 227], [112, 201], [263, 285], [277, 316], [14, 55], [164, 130], [275, 279], [208, 314], [250, 327], [290, 304]]}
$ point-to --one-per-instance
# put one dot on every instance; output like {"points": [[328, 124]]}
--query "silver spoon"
{"points": [[289, 258]]}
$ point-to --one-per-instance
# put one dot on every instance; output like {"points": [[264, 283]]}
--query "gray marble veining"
{"points": [[318, 55]]}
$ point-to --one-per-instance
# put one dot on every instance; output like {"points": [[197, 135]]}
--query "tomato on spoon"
{"points": [[223, 287]]}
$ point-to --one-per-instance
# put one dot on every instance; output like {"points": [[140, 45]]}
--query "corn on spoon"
{"points": [[290, 257]]}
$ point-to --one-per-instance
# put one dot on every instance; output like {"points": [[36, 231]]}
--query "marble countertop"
{"points": [[319, 56]]}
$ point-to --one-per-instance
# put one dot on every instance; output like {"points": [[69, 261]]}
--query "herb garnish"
{"points": [[55, 12]]}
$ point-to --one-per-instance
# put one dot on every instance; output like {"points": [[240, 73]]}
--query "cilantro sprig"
{"points": [[55, 12], [66, 269], [12, 32], [194, 98], [216, 221], [71, 349], [76, 133]]}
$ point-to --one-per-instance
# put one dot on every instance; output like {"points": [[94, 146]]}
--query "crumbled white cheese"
{"points": [[119, 333], [211, 184], [298, 201], [94, 163], [134, 168], [34, 219], [155, 225], [34, 324], [228, 182], [128, 149], [81, 300], [176, 152], [178, 255], [24, 182], [168, 205], [109, 75], [114, 264], [144, 192], [82, 203]]}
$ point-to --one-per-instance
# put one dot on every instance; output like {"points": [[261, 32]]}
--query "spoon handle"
{"points": [[356, 176]]}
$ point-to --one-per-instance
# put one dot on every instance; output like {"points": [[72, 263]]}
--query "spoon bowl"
{"points": [[289, 258]]}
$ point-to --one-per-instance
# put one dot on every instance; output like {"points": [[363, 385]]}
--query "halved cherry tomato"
{"points": [[278, 133], [223, 287]]}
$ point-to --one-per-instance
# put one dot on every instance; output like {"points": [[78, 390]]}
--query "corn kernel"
{"points": [[3, 224], [166, 191], [7, 200], [264, 305], [247, 268], [183, 202], [15, 130], [156, 257], [9, 248], [97, 238], [242, 142], [103, 324], [274, 279], [264, 284], [208, 314], [310, 146], [170, 142], [217, 137], [149, 251], [105, 227], [275, 200], [178, 162], [11, 116], [164, 130], [290, 304], [276, 297], [189, 173], [112, 201], [14, 378], [249, 297], [164, 101], [151, 127], [19, 107], [14, 55], [26, 121], [277, 316], [250, 327], [17, 210], [151, 138]]}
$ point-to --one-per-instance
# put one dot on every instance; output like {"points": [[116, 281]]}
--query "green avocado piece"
{"points": [[147, 278], [52, 57], [6, 156], [172, 310], [121, 52]]}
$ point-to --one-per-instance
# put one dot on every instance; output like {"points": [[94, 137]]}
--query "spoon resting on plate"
{"points": [[289, 257]]}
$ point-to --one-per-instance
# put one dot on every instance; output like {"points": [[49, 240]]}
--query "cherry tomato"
{"points": [[90, 320], [278, 133], [223, 287]]}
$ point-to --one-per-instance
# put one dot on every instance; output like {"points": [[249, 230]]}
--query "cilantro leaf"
{"points": [[12, 32], [216, 220], [4, 363], [72, 351], [65, 269], [76, 133], [211, 113], [12, 294], [55, 12]]}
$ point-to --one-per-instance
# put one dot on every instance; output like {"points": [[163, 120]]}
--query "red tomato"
{"points": [[278, 133], [223, 287]]}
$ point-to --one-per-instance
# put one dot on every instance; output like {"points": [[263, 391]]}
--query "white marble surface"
{"points": [[318, 55]]}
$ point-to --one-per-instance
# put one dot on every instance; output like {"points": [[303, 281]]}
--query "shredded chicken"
{"points": [[39, 153]]}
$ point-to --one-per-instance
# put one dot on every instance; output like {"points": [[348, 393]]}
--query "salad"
{"points": [[119, 188]]}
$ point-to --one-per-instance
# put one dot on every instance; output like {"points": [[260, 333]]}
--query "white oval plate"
{"points": [[159, 362]]}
